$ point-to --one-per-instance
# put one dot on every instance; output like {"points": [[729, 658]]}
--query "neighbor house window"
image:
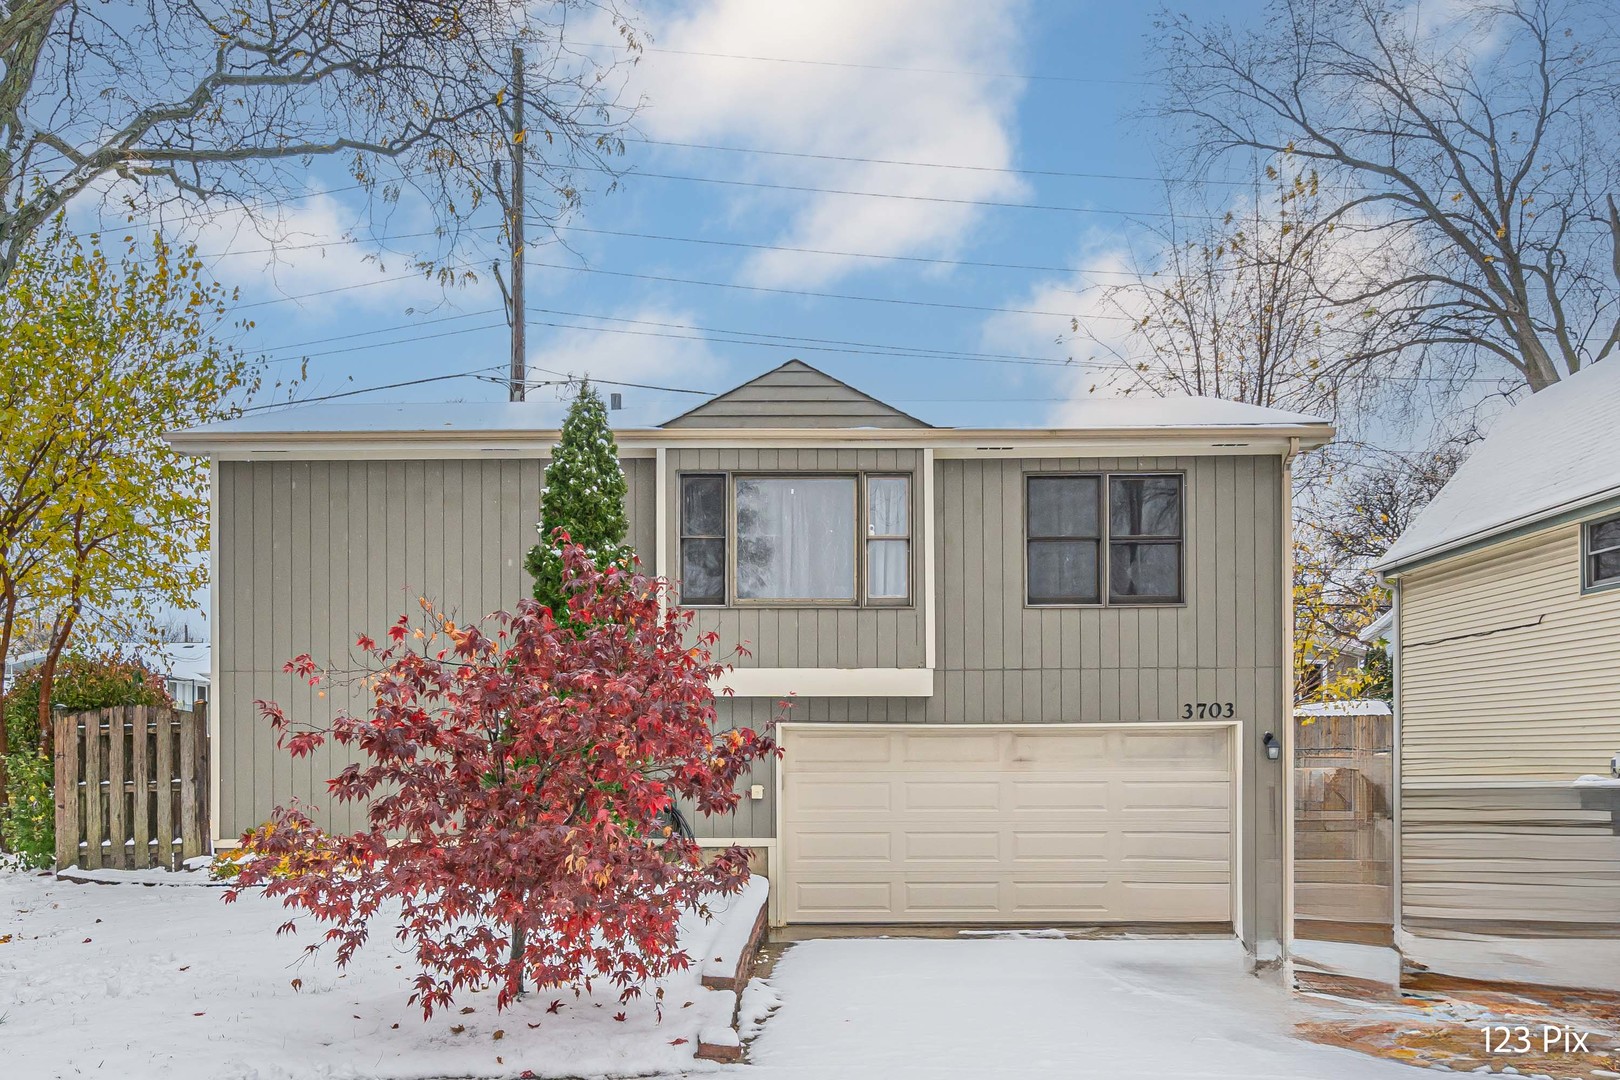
{"points": [[888, 538], [796, 537], [1603, 552], [703, 539], [1144, 539], [1076, 526], [1064, 539]]}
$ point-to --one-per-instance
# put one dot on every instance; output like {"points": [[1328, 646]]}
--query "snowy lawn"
{"points": [[1038, 1008], [136, 982]]}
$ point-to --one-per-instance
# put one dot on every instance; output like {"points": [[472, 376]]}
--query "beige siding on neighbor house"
{"points": [[1510, 688], [1486, 694], [313, 553]]}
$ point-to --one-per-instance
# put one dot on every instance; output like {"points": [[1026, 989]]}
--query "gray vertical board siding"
{"points": [[794, 395], [315, 553], [1000, 661], [811, 635]]}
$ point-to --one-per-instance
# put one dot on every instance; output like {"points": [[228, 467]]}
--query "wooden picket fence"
{"points": [[131, 787]]}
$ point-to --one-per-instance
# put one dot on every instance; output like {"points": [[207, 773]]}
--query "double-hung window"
{"points": [[1064, 539], [1603, 553], [1144, 539], [1111, 538], [837, 539], [888, 539], [703, 539]]}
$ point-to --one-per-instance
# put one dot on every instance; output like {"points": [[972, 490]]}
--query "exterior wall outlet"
{"points": [[757, 791]]}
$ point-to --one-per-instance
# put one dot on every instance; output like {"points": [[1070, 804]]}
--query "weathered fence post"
{"points": [[155, 776], [66, 760]]}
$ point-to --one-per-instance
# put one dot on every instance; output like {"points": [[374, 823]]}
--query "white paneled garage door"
{"points": [[1026, 824]]}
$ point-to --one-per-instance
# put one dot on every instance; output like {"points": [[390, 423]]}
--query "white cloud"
{"points": [[1100, 345], [844, 111], [646, 345], [303, 247]]}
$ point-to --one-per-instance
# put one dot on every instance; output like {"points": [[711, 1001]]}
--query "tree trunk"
{"points": [[47, 677], [520, 941]]}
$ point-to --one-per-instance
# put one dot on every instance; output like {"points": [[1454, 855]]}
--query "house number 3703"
{"points": [[1206, 710]]}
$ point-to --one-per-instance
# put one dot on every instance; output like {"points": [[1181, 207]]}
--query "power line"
{"points": [[935, 199], [474, 373], [821, 295], [844, 254], [873, 67], [810, 344]]}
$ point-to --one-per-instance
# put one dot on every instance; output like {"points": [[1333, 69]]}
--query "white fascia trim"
{"points": [[214, 755], [827, 682], [931, 543], [949, 442]]}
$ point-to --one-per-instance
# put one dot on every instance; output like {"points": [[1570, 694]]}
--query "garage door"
{"points": [[1016, 825]]}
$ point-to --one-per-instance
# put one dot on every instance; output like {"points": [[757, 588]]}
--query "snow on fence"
{"points": [[131, 787]]}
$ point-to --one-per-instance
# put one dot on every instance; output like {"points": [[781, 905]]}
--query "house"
{"points": [[1507, 671], [184, 666], [1041, 675]]}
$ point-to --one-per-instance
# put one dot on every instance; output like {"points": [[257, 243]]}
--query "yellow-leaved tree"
{"points": [[103, 527]]}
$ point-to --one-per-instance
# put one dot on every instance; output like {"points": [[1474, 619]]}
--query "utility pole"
{"points": [[519, 373]]}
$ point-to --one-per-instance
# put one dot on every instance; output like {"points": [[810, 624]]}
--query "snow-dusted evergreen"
{"points": [[584, 496]]}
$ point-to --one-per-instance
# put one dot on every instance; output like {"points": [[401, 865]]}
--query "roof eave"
{"points": [[203, 441], [1546, 518]]}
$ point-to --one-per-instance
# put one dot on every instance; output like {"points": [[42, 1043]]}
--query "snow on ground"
{"points": [[172, 983], [894, 1009]]}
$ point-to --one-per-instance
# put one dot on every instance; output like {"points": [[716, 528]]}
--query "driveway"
{"points": [[1010, 1006]]}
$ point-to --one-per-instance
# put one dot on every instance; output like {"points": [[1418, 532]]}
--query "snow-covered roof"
{"points": [[1554, 452], [187, 661], [1379, 628], [1359, 707], [530, 418]]}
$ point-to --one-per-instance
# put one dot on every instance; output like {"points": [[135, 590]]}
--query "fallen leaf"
{"points": [[555, 1006], [676, 1042], [86, 941], [196, 1014], [467, 1010], [497, 1034], [5, 939], [688, 1005], [186, 968], [355, 1015], [298, 984], [533, 1026], [396, 1027], [500, 1061], [619, 1017], [457, 1029]]}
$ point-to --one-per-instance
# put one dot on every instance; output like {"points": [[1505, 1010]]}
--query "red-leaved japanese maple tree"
{"points": [[518, 785]]}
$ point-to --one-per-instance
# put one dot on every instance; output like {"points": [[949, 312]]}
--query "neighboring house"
{"points": [[1035, 669], [1507, 618], [16, 665], [185, 667]]}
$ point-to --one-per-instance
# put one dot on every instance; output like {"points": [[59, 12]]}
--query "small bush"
{"points": [[29, 825], [28, 820]]}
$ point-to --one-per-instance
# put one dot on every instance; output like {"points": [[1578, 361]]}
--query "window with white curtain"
{"points": [[888, 538], [796, 537]]}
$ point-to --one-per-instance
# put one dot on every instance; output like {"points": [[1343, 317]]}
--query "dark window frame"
{"points": [[1590, 581], [1100, 539], [1105, 540], [682, 535], [1148, 539]]}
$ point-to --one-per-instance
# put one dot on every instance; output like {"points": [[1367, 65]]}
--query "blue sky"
{"points": [[1090, 66]]}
